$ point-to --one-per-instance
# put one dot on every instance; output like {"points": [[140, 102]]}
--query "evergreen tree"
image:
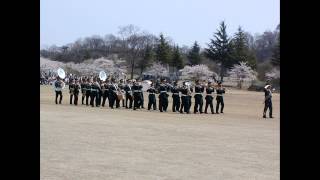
{"points": [[275, 60], [241, 51], [147, 59], [163, 51], [194, 55], [177, 60], [219, 50]]}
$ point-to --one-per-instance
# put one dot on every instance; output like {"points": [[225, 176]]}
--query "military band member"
{"points": [[199, 89], [163, 97], [99, 97], [113, 93], [267, 101], [76, 92], [220, 91], [129, 94], [184, 98], [121, 88], [58, 85], [88, 90], [136, 95], [189, 99], [141, 104], [118, 91], [209, 98], [152, 97], [83, 89], [95, 88], [102, 94], [71, 90], [175, 97], [105, 92]]}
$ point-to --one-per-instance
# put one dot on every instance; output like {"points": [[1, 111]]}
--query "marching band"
{"points": [[130, 93], [96, 92]]}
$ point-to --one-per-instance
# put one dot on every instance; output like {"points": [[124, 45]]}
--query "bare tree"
{"points": [[133, 43]]}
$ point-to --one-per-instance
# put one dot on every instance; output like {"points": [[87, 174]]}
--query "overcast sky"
{"points": [[185, 21]]}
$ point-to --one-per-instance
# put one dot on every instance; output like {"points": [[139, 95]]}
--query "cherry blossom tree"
{"points": [[273, 74], [242, 73], [158, 70], [89, 67], [195, 72]]}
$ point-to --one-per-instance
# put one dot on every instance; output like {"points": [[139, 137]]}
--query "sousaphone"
{"points": [[61, 73], [102, 76], [146, 85]]}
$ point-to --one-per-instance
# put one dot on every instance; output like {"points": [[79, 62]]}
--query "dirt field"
{"points": [[85, 143]]}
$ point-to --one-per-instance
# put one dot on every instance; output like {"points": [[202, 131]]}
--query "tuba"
{"points": [[146, 84], [61, 73], [102, 76]]}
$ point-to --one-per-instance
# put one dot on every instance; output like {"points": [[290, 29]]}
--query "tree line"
{"points": [[141, 49]]}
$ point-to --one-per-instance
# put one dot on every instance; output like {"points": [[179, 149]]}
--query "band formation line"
{"points": [[96, 92]]}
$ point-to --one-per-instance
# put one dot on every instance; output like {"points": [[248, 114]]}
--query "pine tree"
{"points": [[241, 51], [194, 54], [177, 60], [163, 51], [219, 50], [147, 59], [275, 60]]}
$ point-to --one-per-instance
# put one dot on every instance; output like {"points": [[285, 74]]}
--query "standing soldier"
{"points": [[209, 98], [95, 88], [83, 89], [163, 97], [118, 91], [152, 97], [141, 104], [58, 85], [76, 91], [220, 91], [71, 89], [88, 90], [184, 99], [199, 89], [105, 91], [136, 95], [99, 97], [267, 101], [121, 88], [129, 94], [189, 97], [108, 91], [175, 97], [112, 93]]}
